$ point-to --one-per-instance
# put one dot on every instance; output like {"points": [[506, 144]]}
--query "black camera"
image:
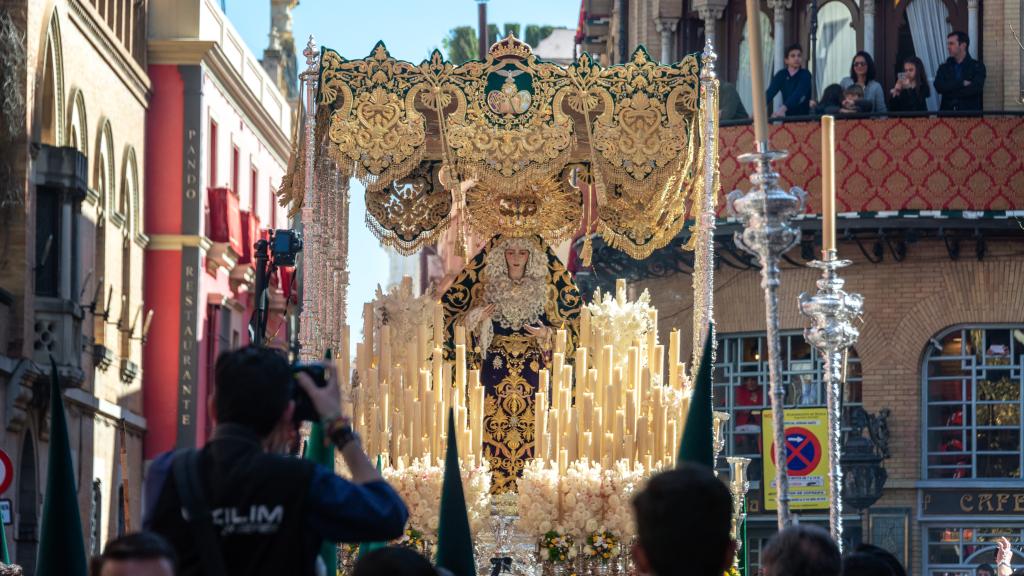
{"points": [[285, 246], [304, 409]]}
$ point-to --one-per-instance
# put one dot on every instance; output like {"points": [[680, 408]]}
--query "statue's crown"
{"points": [[510, 46]]}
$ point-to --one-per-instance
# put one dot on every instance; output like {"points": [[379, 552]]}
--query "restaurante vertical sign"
{"points": [[191, 208]]}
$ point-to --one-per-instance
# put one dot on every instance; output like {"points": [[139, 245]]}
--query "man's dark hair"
{"points": [[801, 550], [985, 567], [870, 73], [137, 546], [393, 561], [253, 388], [864, 564], [794, 46], [683, 521], [883, 555], [961, 37]]}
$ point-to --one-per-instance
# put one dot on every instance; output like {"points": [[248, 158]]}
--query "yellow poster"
{"points": [[807, 456]]}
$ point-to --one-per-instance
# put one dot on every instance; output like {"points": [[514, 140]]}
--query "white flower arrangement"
{"points": [[538, 499], [419, 485], [583, 498], [623, 325], [476, 487], [620, 483]]}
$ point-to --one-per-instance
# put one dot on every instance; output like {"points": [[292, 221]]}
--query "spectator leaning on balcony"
{"points": [[910, 94], [862, 73], [961, 79], [795, 84]]}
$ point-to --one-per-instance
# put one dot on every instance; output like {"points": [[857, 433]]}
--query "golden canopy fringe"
{"points": [[512, 123]]}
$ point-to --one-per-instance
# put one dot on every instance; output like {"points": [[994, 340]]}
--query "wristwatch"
{"points": [[341, 433]]}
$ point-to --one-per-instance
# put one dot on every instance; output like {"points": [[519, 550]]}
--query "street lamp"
{"points": [[863, 474], [481, 7]]}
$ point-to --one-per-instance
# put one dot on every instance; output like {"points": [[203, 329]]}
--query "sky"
{"points": [[411, 29]]}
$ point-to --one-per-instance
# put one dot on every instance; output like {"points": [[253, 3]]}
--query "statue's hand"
{"points": [[538, 331]]}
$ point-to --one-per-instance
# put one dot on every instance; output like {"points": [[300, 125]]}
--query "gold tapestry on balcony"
{"points": [[521, 129]]}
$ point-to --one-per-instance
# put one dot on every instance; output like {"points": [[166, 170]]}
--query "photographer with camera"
{"points": [[241, 504]]}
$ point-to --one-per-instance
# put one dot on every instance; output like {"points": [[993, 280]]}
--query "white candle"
{"points": [[828, 184]]}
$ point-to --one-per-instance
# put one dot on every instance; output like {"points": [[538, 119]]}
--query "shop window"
{"points": [[972, 392], [960, 550], [741, 387]]}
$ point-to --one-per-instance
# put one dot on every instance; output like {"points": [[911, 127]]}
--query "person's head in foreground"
{"points": [[138, 554], [801, 550], [683, 519], [393, 561], [882, 554]]}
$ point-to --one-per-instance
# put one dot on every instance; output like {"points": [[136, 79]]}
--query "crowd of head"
{"points": [[244, 505], [959, 83]]}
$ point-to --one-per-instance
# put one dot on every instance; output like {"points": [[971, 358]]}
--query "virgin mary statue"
{"points": [[512, 297]]}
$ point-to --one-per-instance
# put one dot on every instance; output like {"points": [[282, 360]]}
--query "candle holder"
{"points": [[739, 486], [832, 331], [765, 212], [718, 420]]}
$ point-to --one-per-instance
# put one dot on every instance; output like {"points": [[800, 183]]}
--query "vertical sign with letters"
{"points": [[191, 209]]}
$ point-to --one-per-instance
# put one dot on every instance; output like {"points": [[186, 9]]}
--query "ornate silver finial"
{"points": [[708, 59], [312, 53], [832, 331]]}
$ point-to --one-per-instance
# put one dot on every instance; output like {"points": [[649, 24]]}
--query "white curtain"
{"points": [[767, 56], [929, 27], [837, 44]]}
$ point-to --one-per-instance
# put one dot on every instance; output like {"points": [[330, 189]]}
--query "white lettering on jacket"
{"points": [[258, 519]]}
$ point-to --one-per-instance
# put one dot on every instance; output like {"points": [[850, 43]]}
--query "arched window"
{"points": [[78, 126], [742, 386], [104, 183], [973, 377], [743, 75], [836, 45]]}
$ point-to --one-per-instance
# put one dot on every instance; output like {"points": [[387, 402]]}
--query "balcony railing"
{"points": [[895, 162]]}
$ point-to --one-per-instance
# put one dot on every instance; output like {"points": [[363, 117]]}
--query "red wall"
{"points": [[162, 283]]}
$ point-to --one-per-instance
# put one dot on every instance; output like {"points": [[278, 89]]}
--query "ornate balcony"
{"points": [[899, 180]]}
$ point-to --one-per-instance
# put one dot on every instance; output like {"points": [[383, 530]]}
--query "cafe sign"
{"points": [[973, 502]]}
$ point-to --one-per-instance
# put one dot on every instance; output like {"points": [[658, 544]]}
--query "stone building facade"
{"points": [[72, 250]]}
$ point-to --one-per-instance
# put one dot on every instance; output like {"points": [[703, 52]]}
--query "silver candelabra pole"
{"points": [[718, 420], [309, 316], [765, 212], [832, 312], [738, 485]]}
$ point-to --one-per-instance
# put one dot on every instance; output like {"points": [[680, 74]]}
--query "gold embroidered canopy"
{"points": [[526, 133]]}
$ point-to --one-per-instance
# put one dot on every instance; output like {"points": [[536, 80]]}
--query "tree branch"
{"points": [[1016, 37]]}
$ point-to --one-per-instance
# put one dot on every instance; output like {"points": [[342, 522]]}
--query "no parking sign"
{"points": [[807, 458], [6, 472]]}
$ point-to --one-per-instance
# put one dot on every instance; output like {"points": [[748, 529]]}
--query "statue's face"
{"points": [[516, 259]]}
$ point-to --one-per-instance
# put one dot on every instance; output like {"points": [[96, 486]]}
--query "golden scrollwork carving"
{"points": [[513, 123], [412, 211], [374, 125], [549, 208]]}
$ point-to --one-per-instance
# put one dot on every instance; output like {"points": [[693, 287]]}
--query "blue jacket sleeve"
{"points": [[345, 512], [156, 476], [802, 91]]}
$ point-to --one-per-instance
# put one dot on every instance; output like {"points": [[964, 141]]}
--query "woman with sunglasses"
{"points": [[862, 71]]}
